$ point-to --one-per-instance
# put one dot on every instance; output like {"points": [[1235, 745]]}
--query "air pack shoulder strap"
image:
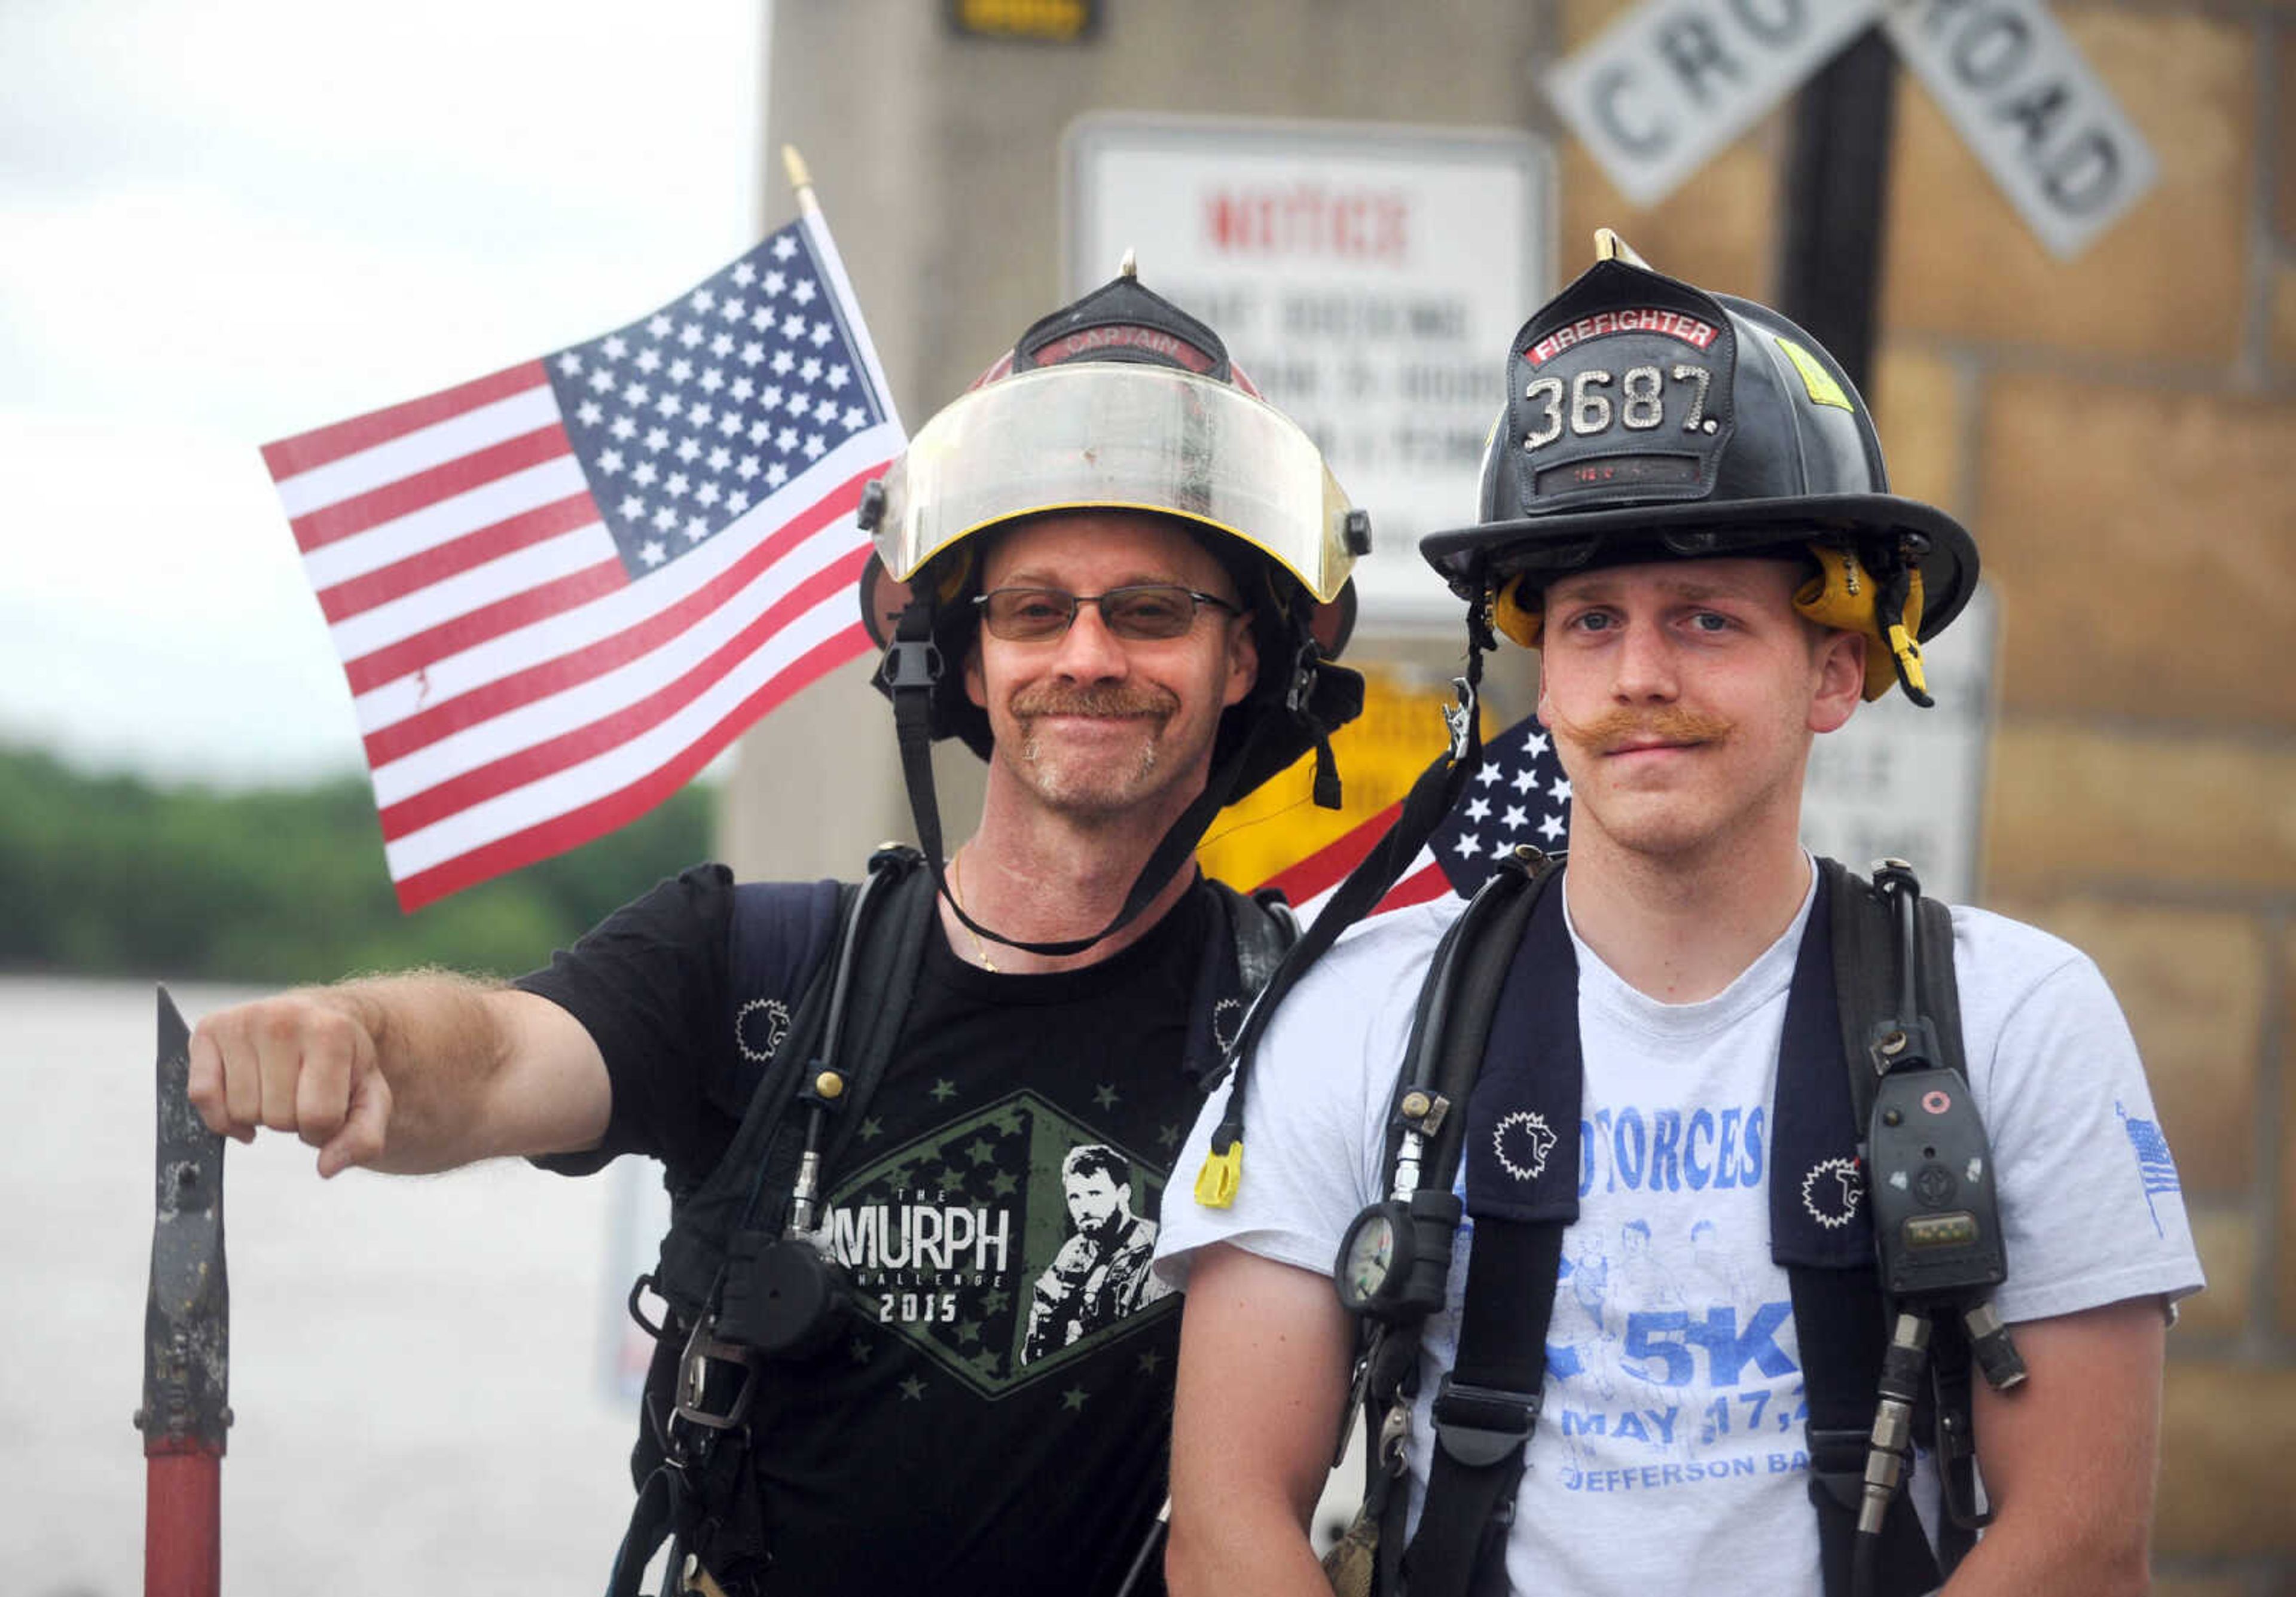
{"points": [[1840, 1313], [759, 1163], [1519, 1124], [1250, 937]]}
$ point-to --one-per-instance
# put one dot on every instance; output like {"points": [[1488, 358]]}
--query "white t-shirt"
{"points": [[1670, 1452]]}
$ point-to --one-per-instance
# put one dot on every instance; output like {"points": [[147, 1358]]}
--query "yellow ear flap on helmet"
{"points": [[1842, 595], [1519, 616]]}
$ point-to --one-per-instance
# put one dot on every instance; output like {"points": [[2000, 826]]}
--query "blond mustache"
{"points": [[1615, 729], [1139, 703]]}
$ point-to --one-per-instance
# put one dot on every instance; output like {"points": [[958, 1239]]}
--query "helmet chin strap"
{"points": [[913, 666]]}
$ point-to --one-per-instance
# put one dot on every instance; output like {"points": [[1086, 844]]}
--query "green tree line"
{"points": [[115, 876]]}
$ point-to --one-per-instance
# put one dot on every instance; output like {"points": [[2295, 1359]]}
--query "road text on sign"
{"points": [[2023, 98]]}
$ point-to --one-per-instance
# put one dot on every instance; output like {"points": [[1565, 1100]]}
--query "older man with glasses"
{"points": [[1120, 576]]}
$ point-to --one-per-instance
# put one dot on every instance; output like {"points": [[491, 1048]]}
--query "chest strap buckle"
{"points": [[1480, 1426]]}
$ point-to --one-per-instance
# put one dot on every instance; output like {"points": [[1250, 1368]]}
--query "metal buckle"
{"points": [[1459, 719], [1480, 1426], [1394, 1437], [702, 1349]]}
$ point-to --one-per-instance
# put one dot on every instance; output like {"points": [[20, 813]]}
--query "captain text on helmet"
{"points": [[1684, 510], [889, 1110]]}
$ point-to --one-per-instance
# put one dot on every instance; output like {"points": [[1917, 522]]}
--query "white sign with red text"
{"points": [[1366, 277]]}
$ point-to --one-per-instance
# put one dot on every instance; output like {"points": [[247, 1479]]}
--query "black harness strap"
{"points": [[695, 1486], [1841, 1315], [1522, 1115], [1433, 793]]}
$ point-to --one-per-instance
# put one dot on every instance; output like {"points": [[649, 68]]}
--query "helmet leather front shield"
{"points": [[1117, 435]]}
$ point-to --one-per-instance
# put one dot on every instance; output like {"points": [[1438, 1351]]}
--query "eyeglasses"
{"points": [[1148, 611]]}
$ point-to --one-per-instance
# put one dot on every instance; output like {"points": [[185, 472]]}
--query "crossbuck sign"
{"points": [[1673, 81]]}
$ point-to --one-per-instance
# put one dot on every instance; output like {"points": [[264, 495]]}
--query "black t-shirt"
{"points": [[995, 1420]]}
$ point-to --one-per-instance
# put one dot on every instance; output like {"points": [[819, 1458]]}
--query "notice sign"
{"points": [[1368, 279], [1904, 783], [2027, 101], [1670, 82]]}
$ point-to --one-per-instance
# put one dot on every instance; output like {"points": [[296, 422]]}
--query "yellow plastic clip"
{"points": [[1908, 654], [1216, 1181]]}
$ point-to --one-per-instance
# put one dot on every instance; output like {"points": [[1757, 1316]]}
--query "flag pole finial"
{"points": [[1610, 246], [800, 179]]}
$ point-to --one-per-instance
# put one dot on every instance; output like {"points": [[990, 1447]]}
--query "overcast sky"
{"points": [[226, 223]]}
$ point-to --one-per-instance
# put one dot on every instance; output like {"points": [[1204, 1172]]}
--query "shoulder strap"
{"points": [[780, 934], [791, 931], [1865, 976], [778, 992], [1522, 1113], [886, 961], [1451, 1031], [1841, 1317], [1449, 1035], [1252, 933]]}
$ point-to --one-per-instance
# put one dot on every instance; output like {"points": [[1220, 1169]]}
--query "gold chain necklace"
{"points": [[956, 892]]}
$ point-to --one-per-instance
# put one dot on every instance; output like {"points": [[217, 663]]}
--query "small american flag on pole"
{"points": [[1517, 795], [558, 591]]}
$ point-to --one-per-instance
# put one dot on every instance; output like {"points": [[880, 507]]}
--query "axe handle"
{"points": [[183, 1539]]}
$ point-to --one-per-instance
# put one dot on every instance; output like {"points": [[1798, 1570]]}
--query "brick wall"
{"points": [[2119, 432]]}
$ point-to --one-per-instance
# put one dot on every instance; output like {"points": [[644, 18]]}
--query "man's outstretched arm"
{"points": [[2070, 1458], [1264, 1357], [411, 1074]]}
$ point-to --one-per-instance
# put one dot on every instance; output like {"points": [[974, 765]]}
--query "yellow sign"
{"points": [[1046, 21], [1380, 754]]}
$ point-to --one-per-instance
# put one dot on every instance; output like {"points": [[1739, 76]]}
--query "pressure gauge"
{"points": [[1369, 1262], [1396, 1255]]}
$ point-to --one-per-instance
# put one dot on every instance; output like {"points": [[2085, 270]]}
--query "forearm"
{"points": [[443, 1045], [1233, 1544], [2007, 1564]]}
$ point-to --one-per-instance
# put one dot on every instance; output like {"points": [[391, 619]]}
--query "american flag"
{"points": [[1518, 795], [558, 591], [2156, 1167]]}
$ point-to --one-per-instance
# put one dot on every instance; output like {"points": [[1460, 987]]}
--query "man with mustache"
{"points": [[1120, 578], [1683, 511]]}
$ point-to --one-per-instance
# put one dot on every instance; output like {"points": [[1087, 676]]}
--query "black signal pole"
{"points": [[1837, 197]]}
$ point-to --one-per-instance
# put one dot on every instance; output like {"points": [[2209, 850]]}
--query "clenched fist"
{"points": [[304, 1062]]}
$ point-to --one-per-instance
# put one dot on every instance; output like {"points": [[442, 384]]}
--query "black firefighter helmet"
{"points": [[1649, 420]]}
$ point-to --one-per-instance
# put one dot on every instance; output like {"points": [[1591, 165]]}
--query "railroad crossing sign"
{"points": [[1673, 81]]}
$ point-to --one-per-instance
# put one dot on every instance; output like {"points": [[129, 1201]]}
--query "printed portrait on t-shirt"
{"points": [[1101, 1272]]}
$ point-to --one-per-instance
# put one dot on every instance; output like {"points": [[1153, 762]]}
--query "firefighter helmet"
{"points": [[1649, 420]]}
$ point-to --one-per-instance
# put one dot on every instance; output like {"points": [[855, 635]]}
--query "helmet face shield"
{"points": [[1109, 435]]}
